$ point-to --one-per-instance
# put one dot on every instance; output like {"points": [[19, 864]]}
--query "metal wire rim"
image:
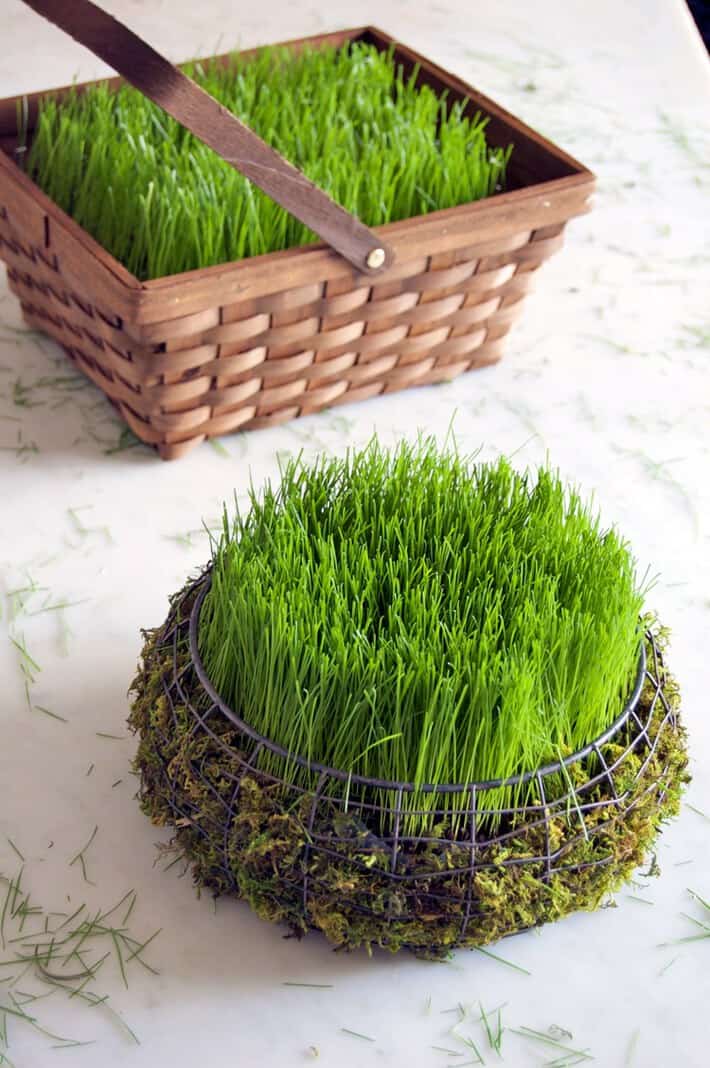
{"points": [[203, 584]]}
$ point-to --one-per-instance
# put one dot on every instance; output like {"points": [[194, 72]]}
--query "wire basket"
{"points": [[337, 854], [256, 342]]}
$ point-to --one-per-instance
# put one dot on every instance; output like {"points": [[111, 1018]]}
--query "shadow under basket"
{"points": [[339, 855], [253, 343]]}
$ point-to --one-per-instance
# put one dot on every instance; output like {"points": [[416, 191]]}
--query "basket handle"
{"points": [[211, 123]]}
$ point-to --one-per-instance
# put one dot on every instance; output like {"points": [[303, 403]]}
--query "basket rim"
{"points": [[202, 585], [549, 199]]}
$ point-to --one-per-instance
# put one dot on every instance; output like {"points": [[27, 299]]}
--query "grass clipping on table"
{"points": [[162, 202], [414, 617]]}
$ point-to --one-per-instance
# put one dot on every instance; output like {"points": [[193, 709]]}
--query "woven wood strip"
{"points": [[260, 362]]}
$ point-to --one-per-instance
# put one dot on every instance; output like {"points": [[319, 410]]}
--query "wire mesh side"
{"points": [[361, 831]]}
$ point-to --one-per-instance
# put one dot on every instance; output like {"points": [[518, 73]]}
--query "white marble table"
{"points": [[608, 375]]}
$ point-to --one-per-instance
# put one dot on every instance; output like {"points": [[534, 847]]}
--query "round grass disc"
{"points": [[417, 619]]}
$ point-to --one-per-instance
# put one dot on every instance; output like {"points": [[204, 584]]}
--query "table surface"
{"points": [[607, 377]]}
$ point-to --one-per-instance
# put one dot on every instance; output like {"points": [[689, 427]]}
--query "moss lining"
{"points": [[256, 842]]}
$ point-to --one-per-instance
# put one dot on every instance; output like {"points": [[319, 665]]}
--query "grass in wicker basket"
{"points": [[414, 617], [162, 202], [411, 617]]}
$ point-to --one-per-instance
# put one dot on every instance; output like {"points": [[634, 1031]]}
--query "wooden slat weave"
{"points": [[240, 366]]}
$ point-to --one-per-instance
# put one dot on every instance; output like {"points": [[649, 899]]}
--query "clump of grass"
{"points": [[162, 203], [415, 617]]}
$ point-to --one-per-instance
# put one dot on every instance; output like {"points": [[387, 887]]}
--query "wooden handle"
{"points": [[203, 116]]}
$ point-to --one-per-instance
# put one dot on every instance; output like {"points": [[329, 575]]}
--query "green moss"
{"points": [[255, 843]]}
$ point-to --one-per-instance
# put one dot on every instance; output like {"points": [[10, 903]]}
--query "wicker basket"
{"points": [[253, 343], [336, 855]]}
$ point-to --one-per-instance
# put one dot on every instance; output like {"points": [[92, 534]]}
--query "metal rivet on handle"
{"points": [[376, 258]]}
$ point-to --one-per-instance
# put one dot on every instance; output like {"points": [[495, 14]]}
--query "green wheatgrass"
{"points": [[162, 202], [416, 617]]}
